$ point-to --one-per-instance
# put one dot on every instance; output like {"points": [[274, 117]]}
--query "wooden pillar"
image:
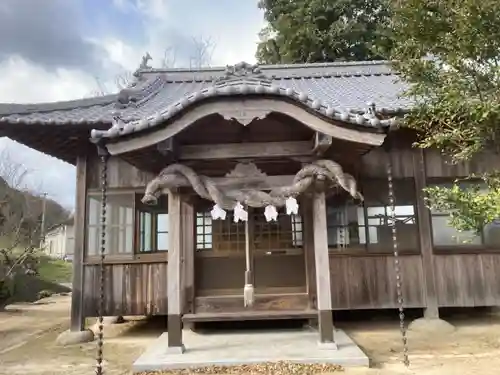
{"points": [[307, 215], [188, 229], [321, 260], [425, 236], [77, 317], [174, 293]]}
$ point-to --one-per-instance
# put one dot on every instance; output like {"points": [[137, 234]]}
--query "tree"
{"points": [[202, 52], [449, 52], [20, 224], [308, 31]]}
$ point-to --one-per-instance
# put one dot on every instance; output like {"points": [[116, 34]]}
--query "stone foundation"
{"points": [[434, 326], [75, 337]]}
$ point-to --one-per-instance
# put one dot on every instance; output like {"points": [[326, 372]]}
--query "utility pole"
{"points": [[42, 225]]}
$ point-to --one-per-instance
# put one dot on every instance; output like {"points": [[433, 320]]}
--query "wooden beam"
{"points": [[322, 143], [425, 236], [246, 150], [169, 149], [360, 134], [322, 263], [77, 318], [174, 276]]}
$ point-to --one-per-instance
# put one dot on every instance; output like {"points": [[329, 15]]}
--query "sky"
{"points": [[54, 50]]}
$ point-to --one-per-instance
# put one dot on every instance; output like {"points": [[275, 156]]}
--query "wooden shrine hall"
{"points": [[257, 192]]}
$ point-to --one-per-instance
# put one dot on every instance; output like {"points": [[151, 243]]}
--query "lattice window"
{"points": [[228, 236], [203, 231], [218, 235], [285, 233]]}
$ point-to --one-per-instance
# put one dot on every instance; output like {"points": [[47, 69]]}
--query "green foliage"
{"points": [[449, 51], [306, 31], [471, 207]]}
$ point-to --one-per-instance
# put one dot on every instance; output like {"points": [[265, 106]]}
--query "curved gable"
{"points": [[244, 111], [248, 86]]}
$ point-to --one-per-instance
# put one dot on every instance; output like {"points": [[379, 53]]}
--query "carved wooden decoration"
{"points": [[249, 170], [322, 143], [246, 175], [246, 116]]}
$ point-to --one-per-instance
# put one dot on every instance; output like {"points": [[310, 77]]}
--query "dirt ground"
{"points": [[474, 348]]}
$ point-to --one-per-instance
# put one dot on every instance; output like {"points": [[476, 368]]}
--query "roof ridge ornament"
{"points": [[243, 70], [144, 65]]}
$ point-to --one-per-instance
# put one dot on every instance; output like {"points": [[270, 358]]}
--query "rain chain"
{"points": [[397, 268], [104, 183]]}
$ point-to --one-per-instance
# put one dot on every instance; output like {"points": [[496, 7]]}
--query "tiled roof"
{"points": [[344, 91]]}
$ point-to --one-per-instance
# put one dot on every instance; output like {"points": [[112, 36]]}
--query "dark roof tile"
{"points": [[342, 91]]}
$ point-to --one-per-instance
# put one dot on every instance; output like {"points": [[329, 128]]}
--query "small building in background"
{"points": [[59, 241]]}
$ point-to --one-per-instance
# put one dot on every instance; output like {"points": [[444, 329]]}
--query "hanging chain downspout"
{"points": [[104, 184], [397, 268]]}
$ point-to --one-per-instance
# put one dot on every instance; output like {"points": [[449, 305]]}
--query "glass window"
{"points": [[368, 224], [345, 225], [119, 224], [162, 225], [445, 235], [153, 226], [145, 231]]}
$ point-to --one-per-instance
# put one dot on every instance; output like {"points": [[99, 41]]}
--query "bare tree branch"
{"points": [[202, 47], [203, 50]]}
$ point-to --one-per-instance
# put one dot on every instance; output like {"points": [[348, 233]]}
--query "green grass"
{"points": [[55, 270], [52, 272]]}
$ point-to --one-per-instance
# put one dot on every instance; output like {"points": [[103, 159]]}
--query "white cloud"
{"points": [[24, 82], [120, 53], [27, 83], [232, 25]]}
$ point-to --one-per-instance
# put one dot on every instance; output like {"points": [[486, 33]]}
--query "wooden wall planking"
{"points": [[120, 174], [373, 163], [467, 280], [440, 166], [357, 282], [129, 289], [369, 282]]}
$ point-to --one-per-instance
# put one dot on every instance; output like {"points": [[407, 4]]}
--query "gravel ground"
{"points": [[28, 333]]}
